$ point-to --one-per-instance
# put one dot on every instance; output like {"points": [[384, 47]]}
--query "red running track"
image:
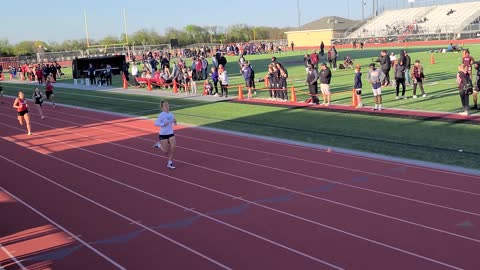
{"points": [[88, 190]]}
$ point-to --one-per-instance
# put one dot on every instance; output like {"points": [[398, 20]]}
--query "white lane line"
{"points": [[109, 210], [96, 251]]}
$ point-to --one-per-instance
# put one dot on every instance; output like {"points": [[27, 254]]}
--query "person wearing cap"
{"points": [[358, 85], [375, 77], [325, 79]]}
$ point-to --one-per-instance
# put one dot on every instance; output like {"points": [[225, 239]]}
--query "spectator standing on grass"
{"points": [[468, 61], [400, 79], [325, 79], [214, 77], [39, 74], [418, 77], [376, 77], [204, 68], [91, 74], [283, 83], [463, 81], [476, 89], [223, 77], [322, 48], [247, 76], [108, 74], [271, 82], [59, 69], [358, 86], [312, 82], [306, 62], [385, 66], [314, 59], [407, 62]]}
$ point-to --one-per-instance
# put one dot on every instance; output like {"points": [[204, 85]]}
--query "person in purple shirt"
{"points": [[214, 76]]}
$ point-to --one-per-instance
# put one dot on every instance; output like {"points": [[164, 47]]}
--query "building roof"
{"points": [[329, 23]]}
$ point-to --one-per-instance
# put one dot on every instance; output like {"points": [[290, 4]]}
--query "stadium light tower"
{"points": [[363, 10], [298, 9]]}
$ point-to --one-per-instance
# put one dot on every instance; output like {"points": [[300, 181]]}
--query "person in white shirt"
{"points": [[166, 120]]}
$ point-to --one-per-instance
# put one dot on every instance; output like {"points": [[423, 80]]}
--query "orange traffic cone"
{"points": [[205, 88], [149, 85], [1, 77], [175, 87], [240, 92], [354, 98], [266, 81], [432, 59], [294, 95], [11, 77], [125, 84]]}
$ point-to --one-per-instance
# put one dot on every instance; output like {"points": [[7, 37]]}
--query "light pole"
{"points": [[298, 10], [363, 10]]}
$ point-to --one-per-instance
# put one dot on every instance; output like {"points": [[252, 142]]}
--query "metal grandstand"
{"points": [[421, 20]]}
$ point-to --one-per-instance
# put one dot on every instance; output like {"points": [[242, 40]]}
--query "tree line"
{"points": [[190, 34]]}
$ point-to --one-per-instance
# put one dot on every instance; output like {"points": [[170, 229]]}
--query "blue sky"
{"points": [[57, 20]]}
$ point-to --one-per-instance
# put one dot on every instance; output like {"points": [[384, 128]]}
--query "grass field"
{"points": [[410, 138]]}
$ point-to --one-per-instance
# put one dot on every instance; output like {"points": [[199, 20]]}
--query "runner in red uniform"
{"points": [[49, 92], [21, 105]]}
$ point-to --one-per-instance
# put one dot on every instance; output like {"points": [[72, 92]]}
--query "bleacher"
{"points": [[420, 20], [439, 22]]}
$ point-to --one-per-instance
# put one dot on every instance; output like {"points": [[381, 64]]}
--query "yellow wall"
{"points": [[310, 38]]}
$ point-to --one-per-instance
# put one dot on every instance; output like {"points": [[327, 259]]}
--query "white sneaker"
{"points": [[158, 146], [29, 133], [171, 166], [397, 97], [424, 95], [404, 97], [414, 97]]}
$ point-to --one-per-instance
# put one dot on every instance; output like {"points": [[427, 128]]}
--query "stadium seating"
{"points": [[402, 22]]}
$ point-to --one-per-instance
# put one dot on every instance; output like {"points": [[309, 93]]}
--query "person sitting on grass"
{"points": [[208, 88]]}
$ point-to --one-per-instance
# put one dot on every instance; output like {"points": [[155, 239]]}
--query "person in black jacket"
{"points": [[385, 66], [400, 79], [91, 74], [325, 79], [407, 62], [312, 78]]}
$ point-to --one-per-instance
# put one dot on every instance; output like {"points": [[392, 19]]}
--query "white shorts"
{"points": [[377, 92], [325, 88]]}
